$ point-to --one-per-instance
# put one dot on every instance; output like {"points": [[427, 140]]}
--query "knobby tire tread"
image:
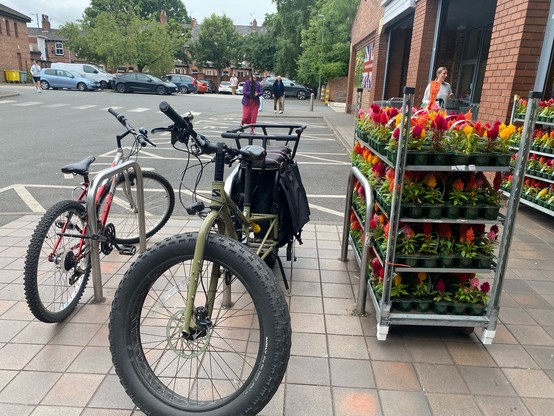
{"points": [[258, 278]]}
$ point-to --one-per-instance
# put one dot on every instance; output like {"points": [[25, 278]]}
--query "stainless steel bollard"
{"points": [[312, 101]]}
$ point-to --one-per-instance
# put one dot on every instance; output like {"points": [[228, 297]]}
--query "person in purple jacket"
{"points": [[251, 93]]}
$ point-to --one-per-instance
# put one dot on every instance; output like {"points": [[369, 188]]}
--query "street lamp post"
{"points": [[321, 55]]}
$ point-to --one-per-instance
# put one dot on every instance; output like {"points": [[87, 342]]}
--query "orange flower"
{"points": [[458, 184]]}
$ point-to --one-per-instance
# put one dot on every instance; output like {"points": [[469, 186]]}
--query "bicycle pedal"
{"points": [[127, 250]]}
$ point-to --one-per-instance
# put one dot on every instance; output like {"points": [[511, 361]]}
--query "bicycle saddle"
{"points": [[252, 153], [79, 168]]}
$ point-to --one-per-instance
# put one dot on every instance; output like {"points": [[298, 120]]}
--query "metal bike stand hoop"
{"points": [[93, 219]]}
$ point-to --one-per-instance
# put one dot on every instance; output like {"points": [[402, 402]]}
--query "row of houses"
{"points": [[493, 49], [20, 45]]}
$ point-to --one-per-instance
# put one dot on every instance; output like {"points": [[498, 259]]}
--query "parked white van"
{"points": [[104, 79]]}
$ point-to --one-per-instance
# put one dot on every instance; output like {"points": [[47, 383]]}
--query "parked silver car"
{"points": [[60, 78]]}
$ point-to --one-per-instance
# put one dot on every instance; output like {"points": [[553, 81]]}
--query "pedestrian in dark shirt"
{"points": [[278, 90]]}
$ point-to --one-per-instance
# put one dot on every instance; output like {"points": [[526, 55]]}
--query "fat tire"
{"points": [[268, 338], [126, 228], [41, 307]]}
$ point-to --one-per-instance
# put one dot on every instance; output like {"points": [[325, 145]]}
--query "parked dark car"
{"points": [[212, 88], [185, 83], [292, 88], [138, 82], [60, 78]]}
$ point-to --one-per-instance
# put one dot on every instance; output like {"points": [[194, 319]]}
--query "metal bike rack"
{"points": [[93, 220]]}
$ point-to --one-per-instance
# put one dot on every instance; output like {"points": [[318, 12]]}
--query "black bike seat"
{"points": [[79, 168], [252, 153]]}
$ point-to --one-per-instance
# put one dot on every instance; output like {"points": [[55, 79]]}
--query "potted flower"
{"points": [[441, 298], [439, 126], [456, 199], [466, 246], [432, 197], [479, 295], [472, 190], [446, 246], [428, 248], [376, 277], [490, 199], [421, 302], [463, 296], [413, 193], [486, 244], [407, 244], [398, 294]]}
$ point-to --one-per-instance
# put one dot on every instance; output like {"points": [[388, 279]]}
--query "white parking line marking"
{"points": [[26, 196], [112, 107], [85, 107], [6, 101], [28, 103], [55, 105], [138, 110]]}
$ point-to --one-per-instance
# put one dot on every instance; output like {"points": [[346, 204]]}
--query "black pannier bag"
{"points": [[276, 188], [293, 203]]}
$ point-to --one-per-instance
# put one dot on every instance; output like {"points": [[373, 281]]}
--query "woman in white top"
{"points": [[438, 89]]}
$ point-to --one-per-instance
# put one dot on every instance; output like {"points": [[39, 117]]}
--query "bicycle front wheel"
{"points": [[159, 201], [235, 359], [57, 265]]}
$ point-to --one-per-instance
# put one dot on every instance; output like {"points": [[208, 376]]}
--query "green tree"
{"points": [[285, 28], [218, 43], [326, 42], [119, 32], [259, 50]]}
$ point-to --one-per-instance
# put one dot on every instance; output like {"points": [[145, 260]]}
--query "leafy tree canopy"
{"points": [[120, 32], [325, 42], [218, 43]]}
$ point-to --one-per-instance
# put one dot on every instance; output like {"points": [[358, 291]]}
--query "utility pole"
{"points": [[321, 55]]}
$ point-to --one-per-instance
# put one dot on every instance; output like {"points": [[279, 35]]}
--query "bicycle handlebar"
{"points": [[183, 128], [140, 136]]}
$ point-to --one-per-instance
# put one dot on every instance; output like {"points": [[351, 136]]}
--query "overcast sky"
{"points": [[242, 12]]}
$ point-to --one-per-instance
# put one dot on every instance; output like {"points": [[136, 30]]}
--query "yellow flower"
{"points": [[506, 131], [468, 130], [543, 192], [421, 277], [397, 279], [431, 180]]}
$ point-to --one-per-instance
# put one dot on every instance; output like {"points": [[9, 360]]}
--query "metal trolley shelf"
{"points": [[384, 315]]}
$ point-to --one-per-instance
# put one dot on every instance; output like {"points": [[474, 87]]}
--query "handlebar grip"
{"points": [[172, 114], [141, 140], [119, 117]]}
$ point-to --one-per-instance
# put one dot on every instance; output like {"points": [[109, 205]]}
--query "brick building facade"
{"points": [[14, 43], [493, 50]]}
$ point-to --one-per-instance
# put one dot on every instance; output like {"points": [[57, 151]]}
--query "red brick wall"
{"points": [[422, 46], [14, 50], [337, 89], [516, 42], [364, 30]]}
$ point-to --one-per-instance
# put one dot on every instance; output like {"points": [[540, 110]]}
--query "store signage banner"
{"points": [[369, 53]]}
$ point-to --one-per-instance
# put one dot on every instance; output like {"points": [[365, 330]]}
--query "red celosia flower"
{"points": [[440, 286], [485, 287]]}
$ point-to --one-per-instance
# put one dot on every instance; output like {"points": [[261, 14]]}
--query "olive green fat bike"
{"points": [[199, 325]]}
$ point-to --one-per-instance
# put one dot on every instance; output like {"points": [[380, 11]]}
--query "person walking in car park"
{"points": [[278, 91], [251, 93], [234, 83], [35, 72]]}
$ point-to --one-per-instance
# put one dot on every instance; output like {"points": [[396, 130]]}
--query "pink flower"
{"points": [[474, 283], [440, 286]]}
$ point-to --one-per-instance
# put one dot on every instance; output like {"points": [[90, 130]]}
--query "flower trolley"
{"points": [[425, 231]]}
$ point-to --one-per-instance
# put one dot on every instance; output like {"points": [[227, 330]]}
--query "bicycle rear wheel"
{"points": [[159, 201], [236, 360], [57, 267]]}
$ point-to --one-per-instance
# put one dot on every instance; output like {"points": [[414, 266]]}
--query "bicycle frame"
{"points": [[103, 191], [222, 207]]}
